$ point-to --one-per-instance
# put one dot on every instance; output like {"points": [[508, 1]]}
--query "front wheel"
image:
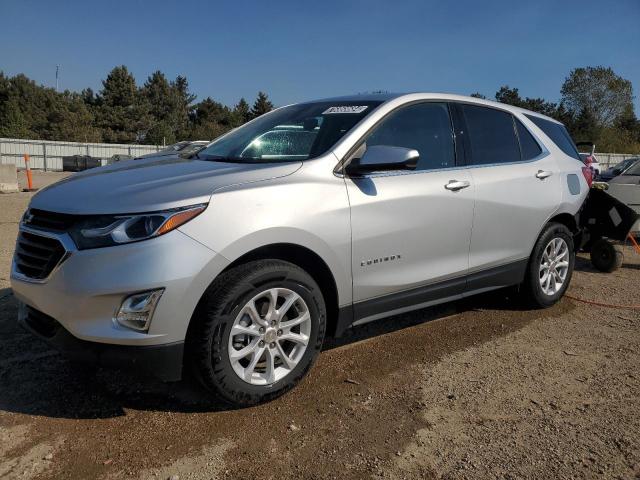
{"points": [[550, 266], [257, 331]]}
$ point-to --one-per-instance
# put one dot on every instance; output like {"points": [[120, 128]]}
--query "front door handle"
{"points": [[542, 174], [455, 185]]}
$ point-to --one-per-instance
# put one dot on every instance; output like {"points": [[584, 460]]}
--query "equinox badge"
{"points": [[373, 261]]}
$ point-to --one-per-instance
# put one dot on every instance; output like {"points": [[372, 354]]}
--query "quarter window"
{"points": [[425, 127], [492, 137], [558, 133], [528, 145]]}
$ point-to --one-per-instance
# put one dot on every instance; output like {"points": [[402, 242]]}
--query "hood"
{"points": [[150, 185]]}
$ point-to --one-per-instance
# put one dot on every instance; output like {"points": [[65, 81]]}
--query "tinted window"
{"points": [[528, 145], [635, 170], [425, 127], [492, 137], [557, 133]]}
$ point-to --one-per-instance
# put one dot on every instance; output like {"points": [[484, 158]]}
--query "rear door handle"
{"points": [[455, 185], [542, 174]]}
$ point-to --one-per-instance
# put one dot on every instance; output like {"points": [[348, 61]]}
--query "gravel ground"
{"points": [[474, 389]]}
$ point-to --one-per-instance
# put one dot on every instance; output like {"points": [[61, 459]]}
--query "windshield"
{"points": [[635, 170], [620, 167], [297, 132]]}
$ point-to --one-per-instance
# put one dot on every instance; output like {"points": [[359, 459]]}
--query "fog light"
{"points": [[137, 310]]}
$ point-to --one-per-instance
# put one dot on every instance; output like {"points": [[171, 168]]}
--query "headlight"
{"points": [[109, 230]]}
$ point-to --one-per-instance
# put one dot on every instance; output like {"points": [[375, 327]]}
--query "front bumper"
{"points": [[85, 291], [161, 361]]}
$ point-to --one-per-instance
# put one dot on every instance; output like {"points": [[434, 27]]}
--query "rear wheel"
{"points": [[257, 331], [550, 266]]}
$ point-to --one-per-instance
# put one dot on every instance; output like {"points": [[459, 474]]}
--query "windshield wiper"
{"points": [[225, 159]]}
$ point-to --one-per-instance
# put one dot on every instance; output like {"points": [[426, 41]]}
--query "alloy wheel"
{"points": [[269, 336], [554, 266]]}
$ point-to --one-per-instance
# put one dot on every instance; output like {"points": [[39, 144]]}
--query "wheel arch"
{"points": [[309, 261], [567, 220]]}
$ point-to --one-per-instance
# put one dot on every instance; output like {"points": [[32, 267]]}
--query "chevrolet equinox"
{"points": [[304, 222]]}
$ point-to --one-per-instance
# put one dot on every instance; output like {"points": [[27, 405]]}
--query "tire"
{"points": [[605, 256], [534, 289], [227, 303]]}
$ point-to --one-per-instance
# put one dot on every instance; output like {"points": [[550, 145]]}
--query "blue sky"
{"points": [[304, 50]]}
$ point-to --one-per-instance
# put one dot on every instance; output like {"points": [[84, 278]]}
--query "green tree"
{"points": [[478, 95], [123, 114], [509, 95], [183, 107], [261, 106], [585, 127], [597, 89], [12, 122], [70, 119], [160, 103], [241, 113]]}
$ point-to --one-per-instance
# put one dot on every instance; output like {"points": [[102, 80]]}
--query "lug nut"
{"points": [[273, 345], [279, 332], [261, 329], [261, 343], [273, 323]]}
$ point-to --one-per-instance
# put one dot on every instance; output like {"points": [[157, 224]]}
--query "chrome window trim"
{"points": [[64, 239], [339, 172], [448, 169]]}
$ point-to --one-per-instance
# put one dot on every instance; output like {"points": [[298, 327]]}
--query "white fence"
{"points": [[47, 155]]}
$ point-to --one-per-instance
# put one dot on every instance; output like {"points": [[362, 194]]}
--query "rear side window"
{"points": [[492, 136], [528, 145], [558, 133], [425, 127]]}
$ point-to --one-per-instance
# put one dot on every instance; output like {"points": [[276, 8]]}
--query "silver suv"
{"points": [[308, 220]]}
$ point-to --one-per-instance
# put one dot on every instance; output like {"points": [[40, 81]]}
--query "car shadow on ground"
{"points": [[36, 380], [584, 265]]}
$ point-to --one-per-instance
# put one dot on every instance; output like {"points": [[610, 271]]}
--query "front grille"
{"points": [[41, 323], [52, 221], [36, 256]]}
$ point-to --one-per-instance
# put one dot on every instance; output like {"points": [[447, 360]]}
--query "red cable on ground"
{"points": [[600, 304]]}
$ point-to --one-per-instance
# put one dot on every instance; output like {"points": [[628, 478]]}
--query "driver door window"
{"points": [[425, 127]]}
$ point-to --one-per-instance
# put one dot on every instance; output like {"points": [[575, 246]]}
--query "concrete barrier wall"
{"points": [[8, 179], [47, 155]]}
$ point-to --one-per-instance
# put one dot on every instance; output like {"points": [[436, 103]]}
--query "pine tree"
{"points": [[241, 113], [123, 114], [261, 106]]}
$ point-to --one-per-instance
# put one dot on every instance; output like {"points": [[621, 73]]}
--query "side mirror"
{"points": [[380, 158]]}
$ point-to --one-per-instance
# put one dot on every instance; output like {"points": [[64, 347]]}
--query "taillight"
{"points": [[588, 175], [588, 160]]}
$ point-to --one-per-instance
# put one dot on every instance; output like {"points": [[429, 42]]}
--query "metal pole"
{"points": [[44, 155]]}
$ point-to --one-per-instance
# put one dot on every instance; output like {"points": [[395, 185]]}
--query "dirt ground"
{"points": [[475, 389]]}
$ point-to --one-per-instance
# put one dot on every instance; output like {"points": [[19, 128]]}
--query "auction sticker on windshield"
{"points": [[345, 109]]}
